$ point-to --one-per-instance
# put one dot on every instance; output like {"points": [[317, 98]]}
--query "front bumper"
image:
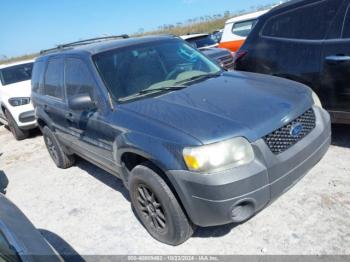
{"points": [[237, 194], [24, 116]]}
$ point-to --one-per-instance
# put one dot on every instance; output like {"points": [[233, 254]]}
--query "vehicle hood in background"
{"points": [[20, 89], [215, 53]]}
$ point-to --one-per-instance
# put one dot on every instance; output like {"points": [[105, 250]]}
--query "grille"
{"points": [[282, 139], [226, 61]]}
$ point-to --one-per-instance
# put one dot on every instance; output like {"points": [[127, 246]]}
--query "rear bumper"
{"points": [[237, 194]]}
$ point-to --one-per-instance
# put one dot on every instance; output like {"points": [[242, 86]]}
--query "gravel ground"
{"points": [[85, 210]]}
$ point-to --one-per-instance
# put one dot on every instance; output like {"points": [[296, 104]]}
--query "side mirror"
{"points": [[81, 102]]}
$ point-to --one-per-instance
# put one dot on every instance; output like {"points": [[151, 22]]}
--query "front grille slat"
{"points": [[281, 139]]}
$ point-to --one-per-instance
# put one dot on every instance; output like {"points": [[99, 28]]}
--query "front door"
{"points": [[89, 131]]}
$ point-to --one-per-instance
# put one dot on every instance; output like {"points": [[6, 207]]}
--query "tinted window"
{"points": [[14, 74], [306, 22], [346, 30], [201, 41], [37, 75], [243, 28], [7, 252], [78, 78], [54, 79]]}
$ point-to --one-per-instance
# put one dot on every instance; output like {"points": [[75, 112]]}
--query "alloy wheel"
{"points": [[52, 148], [151, 208]]}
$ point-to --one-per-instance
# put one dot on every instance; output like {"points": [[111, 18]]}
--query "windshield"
{"points": [[152, 66], [202, 41], [14, 74]]}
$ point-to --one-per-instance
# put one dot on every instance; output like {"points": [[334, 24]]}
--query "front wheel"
{"points": [[18, 133], [157, 207]]}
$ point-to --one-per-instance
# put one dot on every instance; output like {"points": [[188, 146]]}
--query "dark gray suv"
{"points": [[194, 145]]}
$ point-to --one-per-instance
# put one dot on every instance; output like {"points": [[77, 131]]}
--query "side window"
{"points": [[346, 29], [78, 78], [309, 22], [243, 28], [37, 76], [54, 79]]}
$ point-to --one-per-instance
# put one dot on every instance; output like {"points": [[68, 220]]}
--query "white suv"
{"points": [[16, 109]]}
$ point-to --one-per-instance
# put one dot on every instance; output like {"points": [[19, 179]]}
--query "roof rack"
{"points": [[83, 42]]}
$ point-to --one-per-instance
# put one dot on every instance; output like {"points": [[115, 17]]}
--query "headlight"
{"points": [[19, 101], [227, 154], [316, 99]]}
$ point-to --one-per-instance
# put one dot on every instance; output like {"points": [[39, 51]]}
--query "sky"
{"points": [[28, 26]]}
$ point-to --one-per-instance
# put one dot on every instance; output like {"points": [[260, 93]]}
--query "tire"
{"points": [[61, 159], [157, 208], [18, 133]]}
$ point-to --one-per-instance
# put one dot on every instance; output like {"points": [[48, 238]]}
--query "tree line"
{"points": [[202, 24]]}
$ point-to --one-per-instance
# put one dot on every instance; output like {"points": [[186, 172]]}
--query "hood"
{"points": [[216, 53], [20, 89], [234, 104]]}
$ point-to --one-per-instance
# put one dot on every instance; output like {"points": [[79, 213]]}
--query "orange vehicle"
{"points": [[237, 29]]}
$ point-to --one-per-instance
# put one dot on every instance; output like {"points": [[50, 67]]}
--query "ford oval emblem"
{"points": [[296, 129]]}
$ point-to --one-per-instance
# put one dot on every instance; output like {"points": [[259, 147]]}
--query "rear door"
{"points": [[336, 66], [53, 100], [289, 42]]}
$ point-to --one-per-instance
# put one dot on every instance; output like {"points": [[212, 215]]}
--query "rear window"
{"points": [[15, 74], [243, 28], [309, 22], [202, 41]]}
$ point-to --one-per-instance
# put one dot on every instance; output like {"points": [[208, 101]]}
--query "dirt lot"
{"points": [[87, 211]]}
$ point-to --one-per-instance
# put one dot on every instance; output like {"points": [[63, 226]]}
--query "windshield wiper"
{"points": [[163, 88], [199, 77], [154, 90]]}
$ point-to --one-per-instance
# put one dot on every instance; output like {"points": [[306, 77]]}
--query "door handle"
{"points": [[70, 117], [337, 59], [46, 108]]}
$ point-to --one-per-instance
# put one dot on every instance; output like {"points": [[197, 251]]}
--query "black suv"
{"points": [[194, 144], [306, 41]]}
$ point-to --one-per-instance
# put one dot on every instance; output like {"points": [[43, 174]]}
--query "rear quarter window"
{"points": [[309, 22]]}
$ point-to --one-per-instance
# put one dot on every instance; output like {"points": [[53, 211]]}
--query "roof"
{"points": [[246, 17], [292, 3], [105, 45], [16, 63], [186, 37]]}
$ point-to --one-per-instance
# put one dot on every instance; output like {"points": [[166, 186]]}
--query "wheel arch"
{"points": [[132, 158]]}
